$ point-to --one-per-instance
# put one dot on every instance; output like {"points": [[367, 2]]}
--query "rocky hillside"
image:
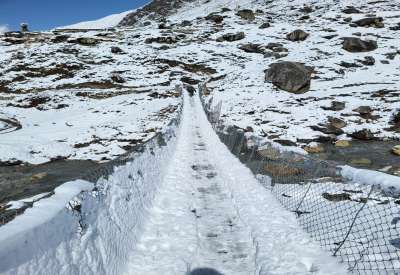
{"points": [[302, 74]]}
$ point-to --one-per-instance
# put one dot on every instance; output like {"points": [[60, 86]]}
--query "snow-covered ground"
{"points": [[69, 100], [66, 72], [207, 211]]}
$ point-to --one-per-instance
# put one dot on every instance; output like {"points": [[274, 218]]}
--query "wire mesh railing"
{"points": [[106, 169], [356, 222]]}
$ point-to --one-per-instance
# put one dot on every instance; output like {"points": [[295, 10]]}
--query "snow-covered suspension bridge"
{"points": [[189, 204]]}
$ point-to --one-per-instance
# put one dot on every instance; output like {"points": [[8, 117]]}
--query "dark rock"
{"points": [[368, 61], [363, 110], [364, 134], [231, 37], [285, 142], [265, 25], [116, 50], [246, 14], [335, 106], [60, 38], [351, 10], [376, 22], [162, 40], [297, 35], [189, 80], [216, 18], [191, 90], [337, 122], [354, 44], [292, 77], [272, 45], [349, 65], [186, 23], [251, 48], [328, 130], [117, 78], [87, 41], [336, 197]]}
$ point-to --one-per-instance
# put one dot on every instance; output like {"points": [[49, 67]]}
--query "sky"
{"points": [[47, 14]]}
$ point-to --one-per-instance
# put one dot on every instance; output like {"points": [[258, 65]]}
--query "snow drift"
{"points": [[95, 237]]}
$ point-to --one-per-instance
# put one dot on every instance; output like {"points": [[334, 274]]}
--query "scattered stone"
{"points": [[342, 144], [292, 77], [354, 44], [337, 122], [265, 25], [246, 14], [285, 142], [230, 37], [368, 61], [314, 149], [376, 22], [363, 110], [396, 150], [328, 130], [364, 134], [189, 80], [336, 106], [297, 35], [117, 78], [116, 50], [351, 10], [161, 40], [60, 38], [336, 197], [251, 48], [39, 176], [216, 18], [277, 170], [361, 161], [87, 41]]}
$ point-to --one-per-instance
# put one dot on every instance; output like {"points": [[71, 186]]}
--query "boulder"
{"points": [[297, 35], [251, 48], [314, 149], [354, 44], [161, 40], [116, 50], [364, 134], [363, 110], [292, 77], [337, 122], [342, 144], [246, 14], [396, 150], [351, 10], [87, 41], [214, 17], [265, 25], [231, 37], [376, 22], [368, 61]]}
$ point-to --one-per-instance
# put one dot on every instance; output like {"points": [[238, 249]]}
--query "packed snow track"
{"points": [[203, 211]]}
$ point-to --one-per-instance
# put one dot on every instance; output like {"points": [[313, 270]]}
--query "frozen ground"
{"points": [[208, 211]]}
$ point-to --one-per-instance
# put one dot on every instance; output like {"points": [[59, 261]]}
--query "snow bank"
{"points": [[102, 23], [52, 239], [44, 210], [363, 176]]}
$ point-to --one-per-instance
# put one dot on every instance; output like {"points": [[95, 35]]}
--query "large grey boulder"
{"points": [[231, 37], [355, 44], [292, 77]]}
